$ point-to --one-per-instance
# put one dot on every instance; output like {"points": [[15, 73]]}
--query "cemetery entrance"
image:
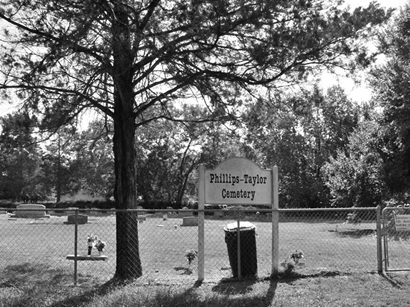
{"points": [[396, 238]]}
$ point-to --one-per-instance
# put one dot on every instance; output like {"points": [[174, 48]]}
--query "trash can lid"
{"points": [[242, 226]]}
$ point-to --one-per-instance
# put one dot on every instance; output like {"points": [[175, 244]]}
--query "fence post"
{"points": [[201, 223], [275, 222], [238, 243], [379, 240], [385, 243], [75, 245]]}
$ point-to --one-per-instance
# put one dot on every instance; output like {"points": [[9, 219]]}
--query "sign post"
{"points": [[275, 222], [201, 224], [238, 244], [238, 181]]}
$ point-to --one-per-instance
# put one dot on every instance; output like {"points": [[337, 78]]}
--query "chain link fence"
{"points": [[329, 240]]}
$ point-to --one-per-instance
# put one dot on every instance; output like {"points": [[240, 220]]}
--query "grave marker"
{"points": [[33, 211], [80, 218]]}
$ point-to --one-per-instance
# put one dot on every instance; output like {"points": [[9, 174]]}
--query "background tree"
{"points": [[20, 172], [390, 82], [93, 166], [56, 162], [355, 176], [299, 133], [132, 59], [169, 153], [80, 160]]}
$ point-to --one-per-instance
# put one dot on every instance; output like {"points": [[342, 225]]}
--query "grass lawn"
{"points": [[340, 266], [41, 286]]}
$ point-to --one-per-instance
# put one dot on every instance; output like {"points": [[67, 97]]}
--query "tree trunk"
{"points": [[125, 193], [58, 171], [128, 258]]}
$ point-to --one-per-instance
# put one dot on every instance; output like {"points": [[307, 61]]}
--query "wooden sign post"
{"points": [[238, 181]]}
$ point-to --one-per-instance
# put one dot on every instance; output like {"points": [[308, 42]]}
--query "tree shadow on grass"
{"points": [[183, 270], [29, 274], [37, 282], [289, 277], [33, 282], [355, 233], [230, 286], [397, 279], [221, 295], [87, 296], [226, 293], [233, 292]]}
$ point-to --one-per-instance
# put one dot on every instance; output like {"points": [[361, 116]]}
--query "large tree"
{"points": [[79, 160], [57, 160], [20, 159], [355, 175], [299, 133], [390, 82], [131, 59]]}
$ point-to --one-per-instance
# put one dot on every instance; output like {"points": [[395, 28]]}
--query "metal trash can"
{"points": [[249, 266]]}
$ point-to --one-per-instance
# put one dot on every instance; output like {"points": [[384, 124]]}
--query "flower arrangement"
{"points": [[190, 255], [296, 256], [100, 246], [292, 261], [90, 242], [93, 241]]}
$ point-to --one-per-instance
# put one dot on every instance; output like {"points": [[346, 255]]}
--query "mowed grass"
{"points": [[29, 285], [340, 267]]}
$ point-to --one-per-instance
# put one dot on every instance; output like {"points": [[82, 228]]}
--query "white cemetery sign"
{"points": [[238, 181]]}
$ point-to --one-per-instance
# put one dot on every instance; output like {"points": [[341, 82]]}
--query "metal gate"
{"points": [[396, 238]]}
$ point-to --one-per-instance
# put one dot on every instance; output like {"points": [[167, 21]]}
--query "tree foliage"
{"points": [[299, 133], [69, 55], [390, 82], [355, 175], [168, 154], [21, 176], [80, 161]]}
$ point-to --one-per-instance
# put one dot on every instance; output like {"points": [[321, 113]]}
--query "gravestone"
{"points": [[141, 219], [81, 219], [87, 258], [185, 213], [23, 211], [190, 221], [219, 213], [141, 212], [70, 210]]}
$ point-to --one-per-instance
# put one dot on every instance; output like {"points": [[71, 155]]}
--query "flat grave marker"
{"points": [[33, 211]]}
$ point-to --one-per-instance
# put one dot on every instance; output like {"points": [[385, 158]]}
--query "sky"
{"points": [[356, 91], [384, 3]]}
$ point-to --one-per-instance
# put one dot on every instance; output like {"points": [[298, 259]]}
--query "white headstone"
{"points": [[30, 211]]}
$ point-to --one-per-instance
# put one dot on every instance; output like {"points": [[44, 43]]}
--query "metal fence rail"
{"points": [[330, 239]]}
